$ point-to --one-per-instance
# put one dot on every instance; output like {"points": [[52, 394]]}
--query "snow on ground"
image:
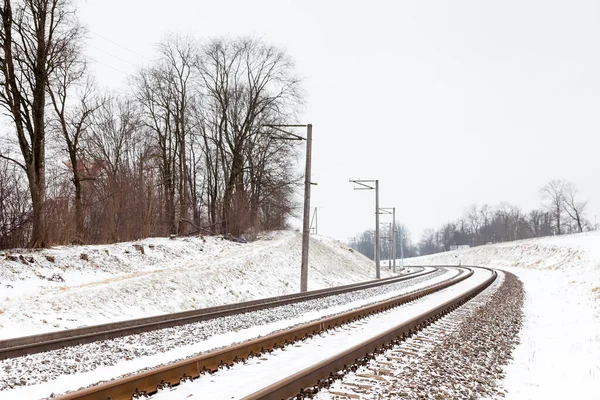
{"points": [[106, 283], [559, 353]]}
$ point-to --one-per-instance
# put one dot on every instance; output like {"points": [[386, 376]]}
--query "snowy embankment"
{"points": [[71, 286], [559, 351]]}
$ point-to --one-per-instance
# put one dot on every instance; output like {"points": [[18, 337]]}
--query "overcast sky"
{"points": [[447, 103]]}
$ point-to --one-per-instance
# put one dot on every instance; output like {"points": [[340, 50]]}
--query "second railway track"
{"points": [[16, 347]]}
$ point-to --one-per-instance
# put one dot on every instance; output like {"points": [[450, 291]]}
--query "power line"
{"points": [[115, 43], [112, 55], [109, 66]]}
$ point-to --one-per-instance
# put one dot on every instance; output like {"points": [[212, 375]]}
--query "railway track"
{"points": [[17, 347], [301, 383]]}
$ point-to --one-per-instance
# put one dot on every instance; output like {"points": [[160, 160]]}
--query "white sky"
{"points": [[447, 103]]}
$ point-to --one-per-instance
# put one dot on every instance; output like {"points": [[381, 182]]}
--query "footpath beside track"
{"points": [[170, 375], [17, 347]]}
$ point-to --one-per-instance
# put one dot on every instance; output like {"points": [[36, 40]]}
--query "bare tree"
{"points": [[574, 208], [68, 84], [429, 243], [179, 55], [123, 199], [364, 243], [246, 85], [15, 209], [165, 92], [34, 40], [553, 195], [540, 223], [486, 215], [473, 218]]}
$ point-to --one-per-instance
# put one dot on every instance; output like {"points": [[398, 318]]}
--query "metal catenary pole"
{"points": [[283, 134], [377, 239], [401, 249], [390, 240], [306, 221], [367, 184], [394, 238]]}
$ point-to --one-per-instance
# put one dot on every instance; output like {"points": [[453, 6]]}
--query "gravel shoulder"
{"points": [[462, 356]]}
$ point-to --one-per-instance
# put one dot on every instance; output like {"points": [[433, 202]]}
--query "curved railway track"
{"points": [[17, 347], [303, 382], [309, 381]]}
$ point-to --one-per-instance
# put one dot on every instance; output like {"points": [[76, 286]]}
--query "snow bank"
{"points": [[71, 286], [559, 351]]}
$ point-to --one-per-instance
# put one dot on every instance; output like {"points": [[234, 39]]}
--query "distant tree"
{"points": [[403, 240], [364, 243], [448, 235], [573, 207], [539, 223], [486, 215], [475, 221], [553, 196], [429, 242]]}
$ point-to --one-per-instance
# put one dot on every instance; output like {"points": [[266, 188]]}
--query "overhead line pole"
{"points": [[401, 249], [285, 135], [306, 219], [377, 240], [386, 210], [367, 185], [394, 238]]}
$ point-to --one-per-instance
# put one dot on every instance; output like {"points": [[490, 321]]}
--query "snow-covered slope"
{"points": [[559, 353], [575, 258], [71, 286], [554, 252]]}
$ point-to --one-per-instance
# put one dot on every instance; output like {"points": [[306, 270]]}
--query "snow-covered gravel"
{"points": [[457, 357], [187, 340]]}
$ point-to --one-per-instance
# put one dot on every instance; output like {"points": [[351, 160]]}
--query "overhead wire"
{"points": [[109, 66], [112, 55], [117, 44]]}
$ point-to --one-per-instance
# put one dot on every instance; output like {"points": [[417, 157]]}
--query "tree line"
{"points": [[187, 149], [562, 211], [365, 243]]}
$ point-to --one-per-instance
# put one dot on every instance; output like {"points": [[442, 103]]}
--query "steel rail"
{"points": [[311, 379], [172, 374], [17, 347]]}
